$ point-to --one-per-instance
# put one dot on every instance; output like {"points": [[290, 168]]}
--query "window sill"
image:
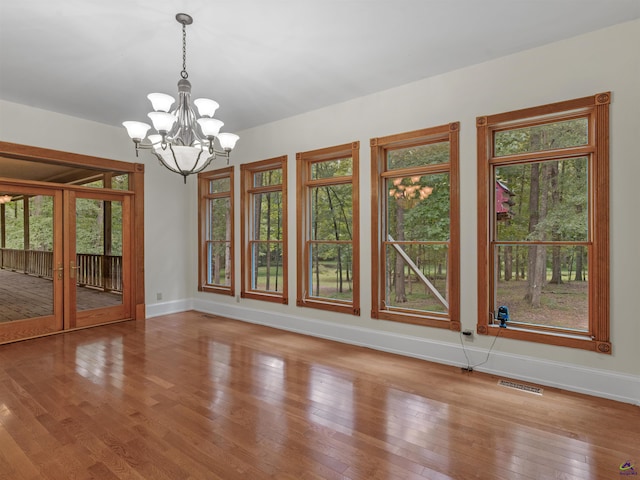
{"points": [[584, 342]]}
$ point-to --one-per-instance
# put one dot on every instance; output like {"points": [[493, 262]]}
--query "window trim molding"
{"points": [[246, 176], [449, 132], [596, 108], [203, 197], [304, 160]]}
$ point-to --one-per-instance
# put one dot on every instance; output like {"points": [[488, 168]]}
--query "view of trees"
{"points": [[417, 229], [219, 232], [542, 245], [89, 225], [331, 234], [266, 233]]}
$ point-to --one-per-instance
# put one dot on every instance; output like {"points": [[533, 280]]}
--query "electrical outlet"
{"points": [[159, 296]]}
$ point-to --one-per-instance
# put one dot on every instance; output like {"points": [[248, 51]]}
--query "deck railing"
{"points": [[99, 271]]}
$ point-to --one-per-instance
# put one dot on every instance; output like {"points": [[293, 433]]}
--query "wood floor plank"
{"points": [[198, 396]]}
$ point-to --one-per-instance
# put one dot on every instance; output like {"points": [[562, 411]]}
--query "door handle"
{"points": [[72, 269], [60, 271]]}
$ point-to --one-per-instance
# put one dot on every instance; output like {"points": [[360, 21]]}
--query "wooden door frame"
{"points": [[136, 187]]}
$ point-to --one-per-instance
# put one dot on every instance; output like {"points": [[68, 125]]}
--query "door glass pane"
{"points": [[98, 268], [26, 256]]}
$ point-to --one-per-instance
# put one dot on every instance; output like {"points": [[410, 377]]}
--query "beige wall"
{"points": [[600, 61]]}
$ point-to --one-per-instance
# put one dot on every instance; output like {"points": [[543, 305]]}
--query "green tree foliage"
{"points": [[551, 198]]}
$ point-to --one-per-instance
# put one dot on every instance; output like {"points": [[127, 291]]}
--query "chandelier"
{"points": [[183, 142], [5, 199]]}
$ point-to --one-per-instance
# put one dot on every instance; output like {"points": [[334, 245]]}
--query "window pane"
{"points": [[550, 136], [268, 177], [120, 182], [220, 185], [418, 156], [219, 265], [266, 267], [544, 285], [268, 216], [331, 212], [332, 168], [219, 219], [545, 201], [416, 277], [14, 223], [418, 208], [331, 271]]}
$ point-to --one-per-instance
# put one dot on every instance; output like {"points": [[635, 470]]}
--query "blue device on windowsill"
{"points": [[503, 316]]}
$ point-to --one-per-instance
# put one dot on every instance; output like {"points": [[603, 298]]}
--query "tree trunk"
{"points": [[227, 251], [556, 259], [579, 277], [316, 257], [268, 238], [401, 295], [337, 235], [537, 253], [534, 194], [257, 209], [508, 263]]}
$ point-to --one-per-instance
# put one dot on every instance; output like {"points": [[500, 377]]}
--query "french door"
{"points": [[65, 258]]}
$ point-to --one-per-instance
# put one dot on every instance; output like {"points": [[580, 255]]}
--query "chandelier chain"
{"points": [[184, 73]]}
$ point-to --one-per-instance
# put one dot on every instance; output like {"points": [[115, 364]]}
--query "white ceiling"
{"points": [[263, 60]]}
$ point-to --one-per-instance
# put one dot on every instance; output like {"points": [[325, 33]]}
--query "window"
{"points": [[543, 224], [264, 230], [215, 191], [328, 236], [415, 228]]}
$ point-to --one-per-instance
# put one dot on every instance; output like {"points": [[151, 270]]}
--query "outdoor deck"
{"points": [[26, 296]]}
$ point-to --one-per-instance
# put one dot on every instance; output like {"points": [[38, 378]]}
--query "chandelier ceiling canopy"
{"points": [[184, 142]]}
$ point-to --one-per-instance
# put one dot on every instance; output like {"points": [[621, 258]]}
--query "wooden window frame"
{"points": [[203, 259], [596, 109], [304, 161], [247, 172], [379, 172]]}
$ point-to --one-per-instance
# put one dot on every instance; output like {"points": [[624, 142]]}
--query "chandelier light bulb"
{"points": [[162, 121], [210, 126], [228, 141], [136, 130], [206, 107], [161, 102]]}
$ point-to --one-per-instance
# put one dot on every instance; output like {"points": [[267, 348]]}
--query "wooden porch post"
{"points": [[3, 233], [27, 240], [107, 234]]}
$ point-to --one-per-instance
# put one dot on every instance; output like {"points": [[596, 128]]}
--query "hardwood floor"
{"points": [[194, 396]]}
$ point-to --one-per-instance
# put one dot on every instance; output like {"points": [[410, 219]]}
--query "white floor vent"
{"points": [[520, 386]]}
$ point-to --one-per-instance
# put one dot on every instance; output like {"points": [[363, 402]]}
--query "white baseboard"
{"points": [[165, 308], [576, 378]]}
